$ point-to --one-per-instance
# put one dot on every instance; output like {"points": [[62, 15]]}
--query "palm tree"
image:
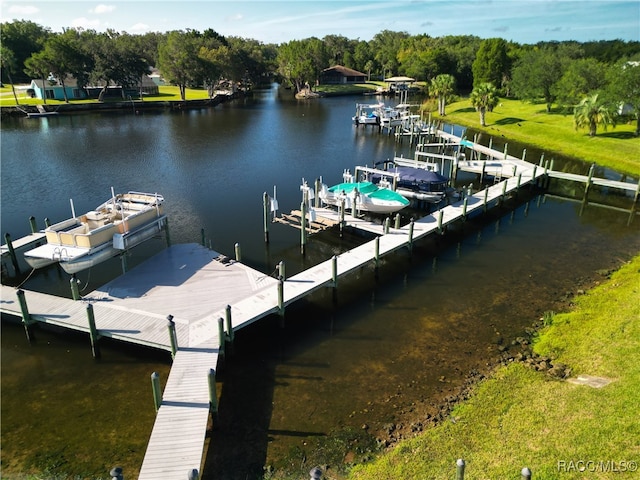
{"points": [[484, 98], [591, 113], [442, 86]]}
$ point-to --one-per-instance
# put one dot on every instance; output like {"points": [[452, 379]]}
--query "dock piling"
{"points": [[171, 325], [26, 317], [281, 296], [397, 223], [303, 227], [460, 469], [587, 187], [632, 212], [74, 283], [213, 394], [203, 240], [12, 253], [376, 254], [221, 336], [93, 332], [166, 232], [157, 392], [230, 333], [265, 212], [387, 224], [32, 224], [334, 271], [342, 207], [318, 186], [238, 252], [281, 270], [411, 236]]}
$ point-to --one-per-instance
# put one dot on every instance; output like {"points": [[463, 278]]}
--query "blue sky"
{"points": [[523, 21]]}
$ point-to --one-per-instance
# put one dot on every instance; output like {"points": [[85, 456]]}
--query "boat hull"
{"points": [[104, 253], [81, 242], [365, 196]]}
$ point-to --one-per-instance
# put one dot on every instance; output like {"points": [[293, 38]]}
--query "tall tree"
{"points": [[386, 46], [442, 87], [363, 58], [535, 75], [624, 88], [67, 58], [492, 62], [38, 65], [590, 113], [338, 48], [582, 77], [301, 61], [484, 98], [23, 38], [178, 59], [116, 60]]}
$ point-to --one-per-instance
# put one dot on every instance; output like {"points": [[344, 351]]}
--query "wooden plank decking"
{"points": [[195, 285]]}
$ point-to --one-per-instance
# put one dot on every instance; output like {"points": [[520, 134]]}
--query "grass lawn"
{"points": [[167, 93], [528, 123], [523, 418]]}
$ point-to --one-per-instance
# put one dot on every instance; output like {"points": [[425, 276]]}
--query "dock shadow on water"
{"points": [[343, 381]]}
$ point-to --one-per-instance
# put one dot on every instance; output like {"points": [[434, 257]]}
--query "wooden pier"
{"points": [[179, 282], [190, 300]]}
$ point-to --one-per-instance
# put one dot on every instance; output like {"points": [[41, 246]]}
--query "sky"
{"points": [[268, 21]]}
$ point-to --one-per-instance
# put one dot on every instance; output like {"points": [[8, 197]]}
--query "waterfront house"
{"points": [[339, 74], [53, 89]]}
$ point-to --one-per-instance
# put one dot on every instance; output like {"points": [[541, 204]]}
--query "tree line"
{"points": [[560, 73]]}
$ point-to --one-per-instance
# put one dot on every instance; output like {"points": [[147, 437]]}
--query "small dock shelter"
{"points": [[399, 83]]}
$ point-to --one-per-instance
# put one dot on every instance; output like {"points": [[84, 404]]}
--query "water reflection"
{"points": [[384, 352]]}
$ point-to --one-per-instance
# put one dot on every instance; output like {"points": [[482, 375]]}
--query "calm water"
{"points": [[294, 397]]}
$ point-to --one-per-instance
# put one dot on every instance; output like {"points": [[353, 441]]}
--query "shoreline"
{"points": [[133, 106]]}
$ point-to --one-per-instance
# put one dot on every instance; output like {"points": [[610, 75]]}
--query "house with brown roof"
{"points": [[340, 74]]}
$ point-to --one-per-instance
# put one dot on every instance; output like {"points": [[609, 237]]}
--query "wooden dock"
{"points": [[13, 262], [179, 281], [208, 297]]}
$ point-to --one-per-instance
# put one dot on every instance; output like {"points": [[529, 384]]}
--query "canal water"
{"points": [[347, 375]]}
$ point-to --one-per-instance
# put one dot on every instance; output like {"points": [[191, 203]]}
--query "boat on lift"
{"points": [[365, 195], [80, 242], [367, 114]]}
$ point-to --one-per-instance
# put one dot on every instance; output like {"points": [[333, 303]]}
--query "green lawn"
{"points": [[167, 93], [524, 418], [528, 123]]}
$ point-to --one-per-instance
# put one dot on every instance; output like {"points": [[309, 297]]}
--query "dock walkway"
{"points": [[198, 287]]}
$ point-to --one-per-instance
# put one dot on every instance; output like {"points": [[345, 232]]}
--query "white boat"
{"points": [[78, 243], [366, 196], [367, 114], [391, 117]]}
